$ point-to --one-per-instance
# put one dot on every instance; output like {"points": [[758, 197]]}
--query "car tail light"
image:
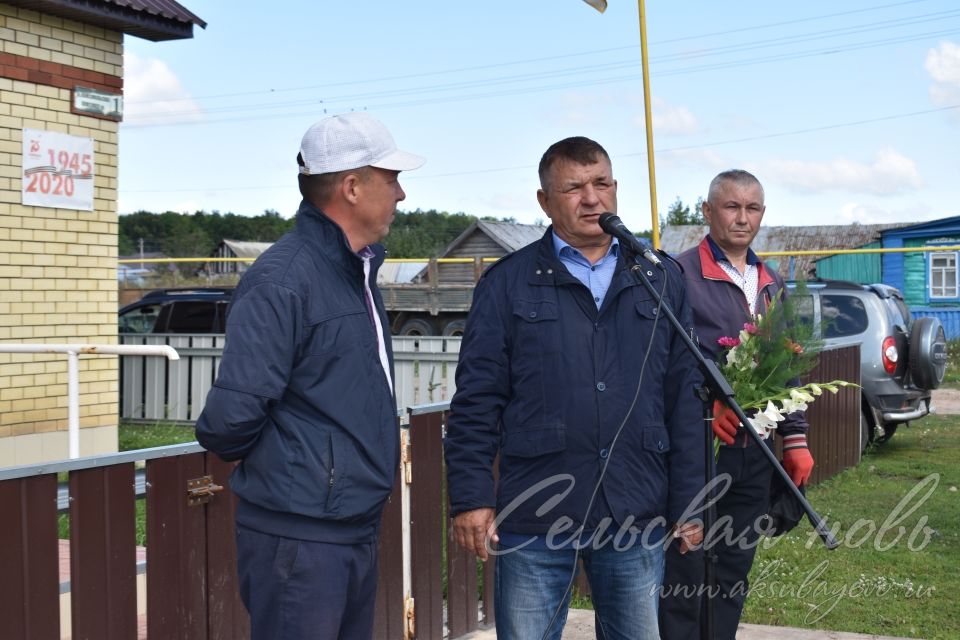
{"points": [[890, 354]]}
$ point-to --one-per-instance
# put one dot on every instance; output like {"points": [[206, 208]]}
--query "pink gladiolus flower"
{"points": [[727, 341], [750, 328]]}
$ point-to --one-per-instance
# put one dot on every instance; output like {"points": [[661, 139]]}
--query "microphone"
{"points": [[613, 225]]}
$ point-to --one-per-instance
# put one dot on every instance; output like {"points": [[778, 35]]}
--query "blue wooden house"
{"points": [[930, 281]]}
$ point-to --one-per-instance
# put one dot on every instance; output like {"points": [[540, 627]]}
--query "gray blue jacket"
{"points": [[546, 379], [301, 399]]}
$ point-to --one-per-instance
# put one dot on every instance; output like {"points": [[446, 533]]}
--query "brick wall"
{"points": [[57, 266]]}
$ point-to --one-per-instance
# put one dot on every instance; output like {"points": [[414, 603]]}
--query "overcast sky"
{"points": [[845, 111]]}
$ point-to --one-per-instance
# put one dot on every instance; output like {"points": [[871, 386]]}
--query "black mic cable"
{"points": [[613, 443]]}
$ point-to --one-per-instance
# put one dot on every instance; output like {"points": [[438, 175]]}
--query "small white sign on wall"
{"points": [[57, 170]]}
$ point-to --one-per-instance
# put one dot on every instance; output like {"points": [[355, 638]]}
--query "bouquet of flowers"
{"points": [[765, 361]]}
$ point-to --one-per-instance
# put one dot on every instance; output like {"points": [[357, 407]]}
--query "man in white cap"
{"points": [[304, 396]]}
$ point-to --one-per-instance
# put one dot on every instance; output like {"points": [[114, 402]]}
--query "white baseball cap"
{"points": [[351, 141]]}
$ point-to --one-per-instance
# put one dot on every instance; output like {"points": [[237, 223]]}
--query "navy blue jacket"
{"points": [[301, 398], [546, 379], [720, 309]]}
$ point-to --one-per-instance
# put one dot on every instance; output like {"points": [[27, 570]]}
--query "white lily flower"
{"points": [[788, 405], [766, 421], [772, 413], [815, 389], [761, 425]]}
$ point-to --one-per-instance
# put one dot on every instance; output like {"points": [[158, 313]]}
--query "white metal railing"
{"points": [[73, 352], [424, 369]]}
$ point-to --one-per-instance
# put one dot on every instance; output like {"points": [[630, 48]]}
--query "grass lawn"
{"points": [[897, 571], [144, 436]]}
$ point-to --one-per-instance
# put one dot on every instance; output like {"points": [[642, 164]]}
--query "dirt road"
{"points": [[946, 401]]}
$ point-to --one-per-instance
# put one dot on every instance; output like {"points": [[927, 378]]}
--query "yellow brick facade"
{"points": [[58, 281]]}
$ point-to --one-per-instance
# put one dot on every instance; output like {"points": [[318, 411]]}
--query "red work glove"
{"points": [[725, 422], [797, 461]]}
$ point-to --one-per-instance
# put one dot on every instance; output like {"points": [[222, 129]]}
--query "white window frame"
{"points": [[948, 290]]}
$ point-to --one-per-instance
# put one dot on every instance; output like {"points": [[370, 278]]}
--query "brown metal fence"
{"points": [[191, 577], [834, 436], [191, 584], [28, 558], [468, 596]]}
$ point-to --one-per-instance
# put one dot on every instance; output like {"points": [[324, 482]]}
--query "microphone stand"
{"points": [[710, 515], [715, 381]]}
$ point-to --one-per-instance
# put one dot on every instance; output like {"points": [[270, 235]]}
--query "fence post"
{"points": [[176, 551], [426, 524], [103, 576], [388, 620], [29, 599]]}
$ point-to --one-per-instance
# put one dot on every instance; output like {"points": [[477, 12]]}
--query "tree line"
{"points": [[413, 234], [680, 214]]}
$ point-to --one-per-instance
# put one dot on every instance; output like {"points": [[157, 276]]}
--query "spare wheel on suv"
{"points": [[928, 353]]}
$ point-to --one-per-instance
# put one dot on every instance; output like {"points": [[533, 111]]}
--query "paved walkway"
{"points": [[580, 627], [65, 603]]}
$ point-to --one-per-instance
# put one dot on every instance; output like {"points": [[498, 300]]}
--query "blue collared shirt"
{"points": [[596, 277], [720, 256]]}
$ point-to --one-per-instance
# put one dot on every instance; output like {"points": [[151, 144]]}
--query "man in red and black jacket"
{"points": [[728, 285]]}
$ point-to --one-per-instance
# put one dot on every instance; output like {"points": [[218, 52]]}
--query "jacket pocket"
{"points": [[339, 481], [647, 309], [536, 311], [536, 441], [331, 475], [535, 357], [642, 473], [656, 439], [319, 476]]}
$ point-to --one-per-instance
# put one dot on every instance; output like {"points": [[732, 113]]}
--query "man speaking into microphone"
{"points": [[567, 371]]}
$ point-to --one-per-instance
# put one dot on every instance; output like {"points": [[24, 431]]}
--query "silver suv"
{"points": [[902, 359]]}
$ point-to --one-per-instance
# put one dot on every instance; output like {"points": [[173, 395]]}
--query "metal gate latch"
{"points": [[201, 490]]}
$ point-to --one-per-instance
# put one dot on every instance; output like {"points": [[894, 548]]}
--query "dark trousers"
{"points": [[299, 590], [682, 609]]}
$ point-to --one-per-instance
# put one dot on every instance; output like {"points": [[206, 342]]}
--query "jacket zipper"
{"points": [[332, 474]]}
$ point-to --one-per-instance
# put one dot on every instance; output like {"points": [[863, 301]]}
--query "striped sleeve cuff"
{"points": [[795, 441]]}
